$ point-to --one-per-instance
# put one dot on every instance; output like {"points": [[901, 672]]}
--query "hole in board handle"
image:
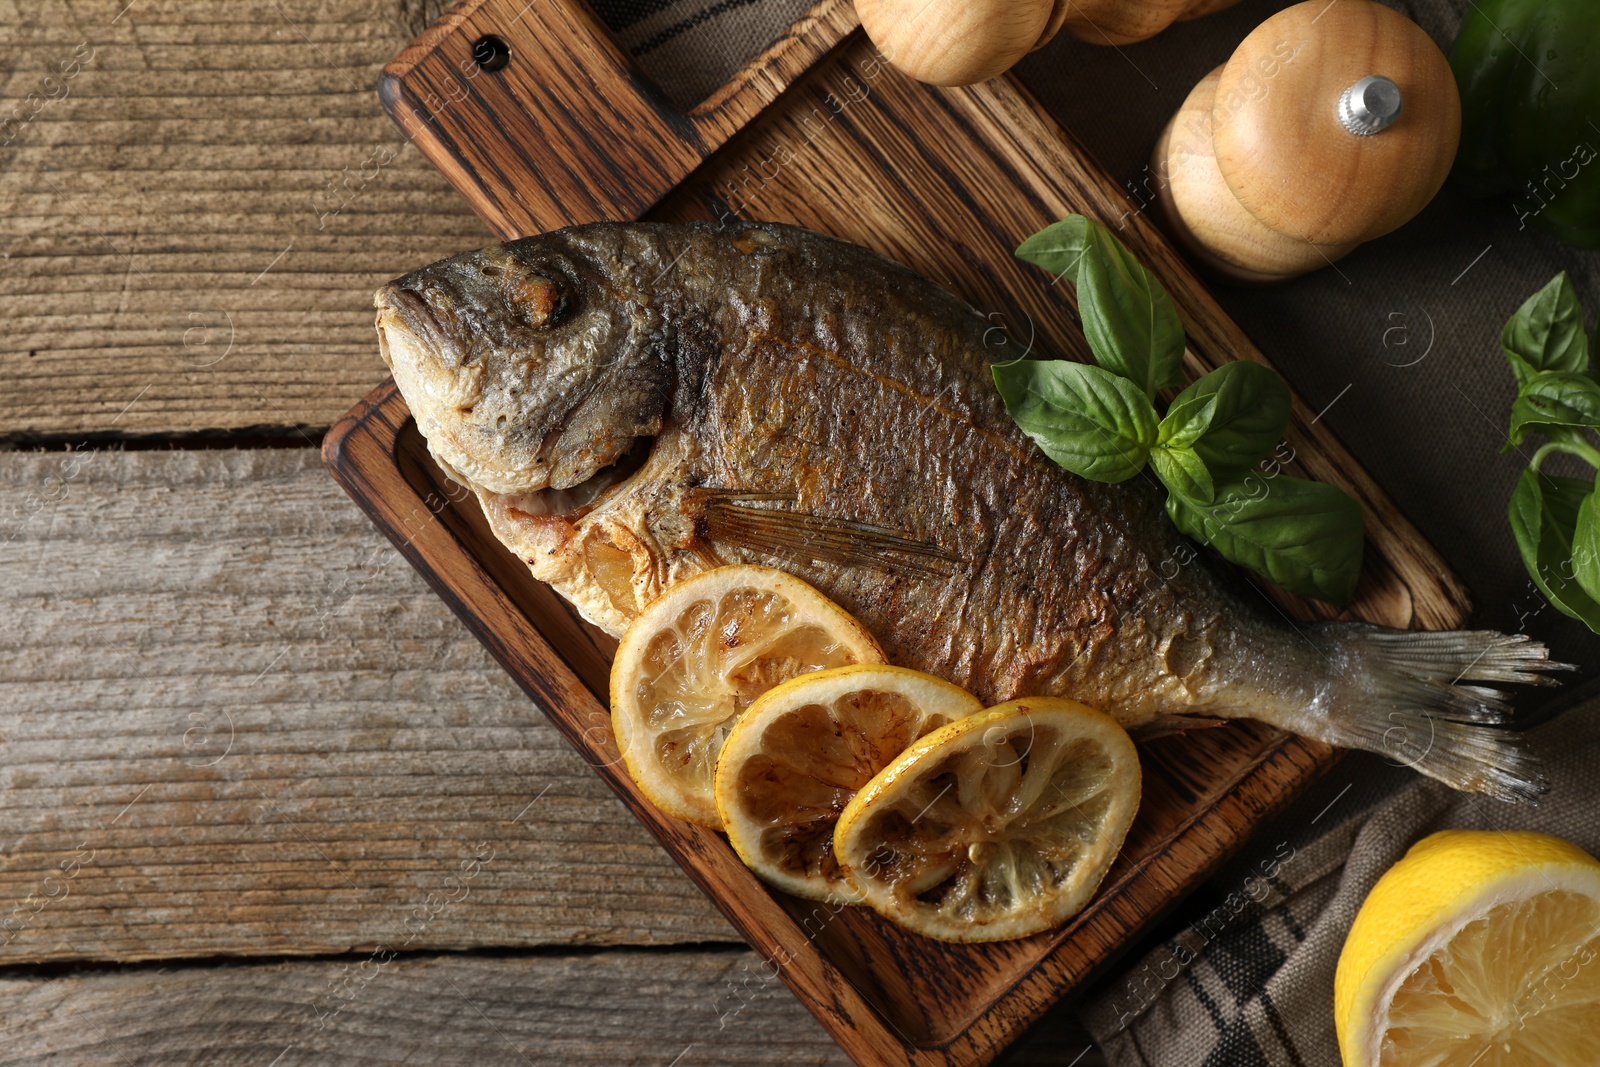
{"points": [[491, 53]]}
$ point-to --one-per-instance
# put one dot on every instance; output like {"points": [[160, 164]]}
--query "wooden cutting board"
{"points": [[820, 131]]}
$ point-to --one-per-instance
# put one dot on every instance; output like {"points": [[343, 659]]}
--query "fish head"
{"points": [[530, 367]]}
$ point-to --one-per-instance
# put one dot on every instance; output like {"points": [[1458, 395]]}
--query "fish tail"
{"points": [[1420, 699]]}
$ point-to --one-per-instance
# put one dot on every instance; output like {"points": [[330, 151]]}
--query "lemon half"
{"points": [[1477, 949]]}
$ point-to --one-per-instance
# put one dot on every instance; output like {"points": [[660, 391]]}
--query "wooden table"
{"points": [[264, 800]]}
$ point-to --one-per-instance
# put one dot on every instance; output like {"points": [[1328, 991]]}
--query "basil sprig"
{"points": [[1101, 422], [1556, 520]]}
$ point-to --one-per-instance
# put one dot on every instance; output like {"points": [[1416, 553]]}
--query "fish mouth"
{"points": [[398, 333], [385, 324], [421, 367], [404, 310]]}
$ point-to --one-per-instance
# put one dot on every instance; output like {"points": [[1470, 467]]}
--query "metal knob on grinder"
{"points": [[1370, 105], [1331, 124]]}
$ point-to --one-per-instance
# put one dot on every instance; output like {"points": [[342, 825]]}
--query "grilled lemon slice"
{"points": [[997, 826], [1479, 948], [794, 760], [699, 655]]}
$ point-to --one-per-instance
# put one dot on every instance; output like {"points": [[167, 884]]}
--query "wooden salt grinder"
{"points": [[960, 42], [1329, 126]]}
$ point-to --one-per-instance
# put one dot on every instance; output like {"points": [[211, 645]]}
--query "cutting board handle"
{"points": [[492, 76]]}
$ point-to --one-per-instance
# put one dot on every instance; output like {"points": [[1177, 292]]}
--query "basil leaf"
{"points": [[1586, 546], [1089, 420], [1554, 398], [1184, 473], [1058, 248], [1187, 419], [1544, 518], [1128, 319], [1248, 415], [1546, 333], [1306, 536]]}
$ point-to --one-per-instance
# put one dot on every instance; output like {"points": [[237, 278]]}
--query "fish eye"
{"points": [[538, 292], [542, 300]]}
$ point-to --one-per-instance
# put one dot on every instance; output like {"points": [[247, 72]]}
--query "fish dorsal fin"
{"points": [[757, 521]]}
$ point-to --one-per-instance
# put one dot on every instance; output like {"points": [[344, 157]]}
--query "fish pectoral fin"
{"points": [[734, 518], [1164, 725]]}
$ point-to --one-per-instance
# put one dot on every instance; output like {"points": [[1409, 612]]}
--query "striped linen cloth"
{"points": [[690, 48]]}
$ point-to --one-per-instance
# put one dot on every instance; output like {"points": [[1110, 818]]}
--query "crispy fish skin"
{"points": [[798, 401]]}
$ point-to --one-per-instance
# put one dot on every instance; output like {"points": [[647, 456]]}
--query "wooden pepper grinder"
{"points": [[959, 42], [1330, 125]]}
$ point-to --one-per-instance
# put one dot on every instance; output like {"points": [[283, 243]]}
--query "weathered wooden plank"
{"points": [[200, 198], [688, 1008], [234, 721]]}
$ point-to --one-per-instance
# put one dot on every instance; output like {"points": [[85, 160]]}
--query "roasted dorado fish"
{"points": [[633, 404]]}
